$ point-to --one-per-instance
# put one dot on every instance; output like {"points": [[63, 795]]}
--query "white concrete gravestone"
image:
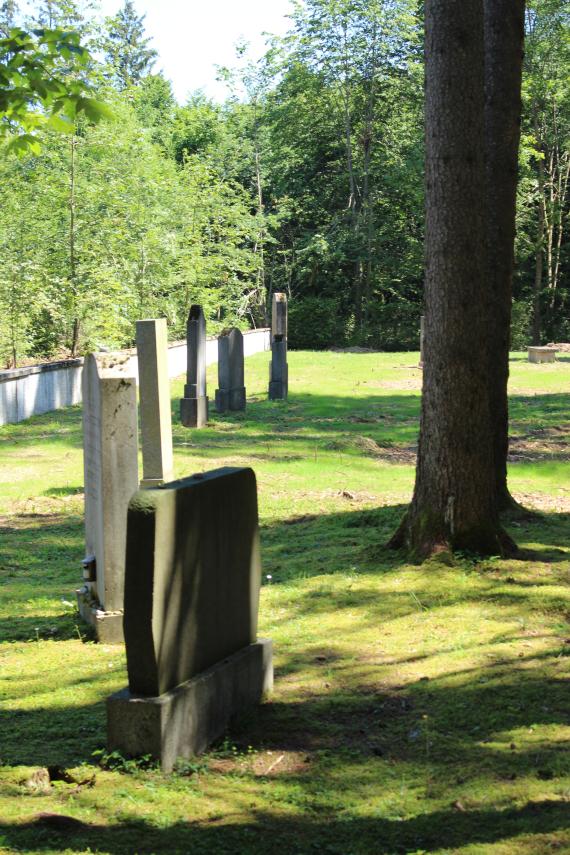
{"points": [[154, 392], [111, 477]]}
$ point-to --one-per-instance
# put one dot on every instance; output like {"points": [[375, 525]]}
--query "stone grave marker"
{"points": [[542, 354], [194, 404], [231, 392], [279, 371], [191, 602], [110, 450], [154, 395]]}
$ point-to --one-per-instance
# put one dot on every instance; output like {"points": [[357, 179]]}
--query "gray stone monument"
{"points": [[154, 394], [194, 404], [110, 450], [191, 603], [422, 337], [279, 371], [231, 394]]}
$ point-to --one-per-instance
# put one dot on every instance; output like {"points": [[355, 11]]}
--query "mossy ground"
{"points": [[416, 709]]}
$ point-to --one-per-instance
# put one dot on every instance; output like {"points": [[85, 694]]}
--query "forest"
{"points": [[308, 179]]}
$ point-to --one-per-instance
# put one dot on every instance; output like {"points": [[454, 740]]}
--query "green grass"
{"points": [[416, 709]]}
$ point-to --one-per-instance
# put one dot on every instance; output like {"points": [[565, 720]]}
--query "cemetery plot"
{"points": [[414, 708]]}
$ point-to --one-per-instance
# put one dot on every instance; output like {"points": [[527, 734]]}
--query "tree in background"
{"points": [[504, 41], [454, 502], [126, 47]]}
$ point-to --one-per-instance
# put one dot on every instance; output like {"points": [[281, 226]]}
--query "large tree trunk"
{"points": [[454, 498], [504, 39]]}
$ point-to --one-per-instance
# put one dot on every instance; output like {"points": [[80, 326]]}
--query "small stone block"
{"points": [[186, 720], [194, 412], [542, 354], [108, 626]]}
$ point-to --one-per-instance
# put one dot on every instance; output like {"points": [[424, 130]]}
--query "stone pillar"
{"points": [[110, 451], [194, 404], [231, 392], [154, 394], [279, 372], [422, 335]]}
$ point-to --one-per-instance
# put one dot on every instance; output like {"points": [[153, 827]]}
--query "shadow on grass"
{"points": [[334, 835]]}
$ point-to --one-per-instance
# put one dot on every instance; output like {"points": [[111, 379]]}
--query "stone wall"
{"points": [[37, 389]]}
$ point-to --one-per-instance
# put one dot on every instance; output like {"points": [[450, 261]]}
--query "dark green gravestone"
{"points": [[193, 574], [231, 392]]}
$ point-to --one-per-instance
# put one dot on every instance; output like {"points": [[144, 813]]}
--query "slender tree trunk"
{"points": [[504, 40], [539, 260], [72, 255], [454, 498]]}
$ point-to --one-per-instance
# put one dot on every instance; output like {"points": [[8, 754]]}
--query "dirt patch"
{"points": [[405, 384], [541, 444], [544, 502]]}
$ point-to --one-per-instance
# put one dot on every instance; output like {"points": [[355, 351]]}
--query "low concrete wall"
{"points": [[37, 389]]}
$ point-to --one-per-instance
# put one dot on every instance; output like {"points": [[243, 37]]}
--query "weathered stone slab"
{"points": [[194, 404], [193, 577], [231, 392], [154, 393], [186, 720], [111, 477], [542, 354], [191, 601], [279, 372]]}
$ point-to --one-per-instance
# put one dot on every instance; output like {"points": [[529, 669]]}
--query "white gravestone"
{"points": [[110, 450], [154, 394]]}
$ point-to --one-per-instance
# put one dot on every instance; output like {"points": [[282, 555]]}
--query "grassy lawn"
{"points": [[416, 709]]}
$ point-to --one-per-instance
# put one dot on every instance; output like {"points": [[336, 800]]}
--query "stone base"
{"points": [[542, 354], [194, 411], [237, 399], [277, 390], [186, 720], [222, 400], [148, 483], [230, 399], [108, 625]]}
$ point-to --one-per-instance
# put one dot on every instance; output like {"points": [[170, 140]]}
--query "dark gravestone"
{"points": [[231, 392], [191, 602], [194, 404], [279, 372]]}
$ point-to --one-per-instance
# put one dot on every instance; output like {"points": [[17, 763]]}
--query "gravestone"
{"points": [[422, 338], [194, 404], [231, 392], [279, 371], [154, 394], [110, 451], [191, 603], [542, 354]]}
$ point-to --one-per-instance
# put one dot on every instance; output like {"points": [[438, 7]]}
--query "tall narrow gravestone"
{"points": [[154, 392], [111, 477], [279, 371], [231, 394], [194, 404], [191, 603]]}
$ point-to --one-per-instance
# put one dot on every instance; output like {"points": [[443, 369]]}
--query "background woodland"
{"points": [[308, 179]]}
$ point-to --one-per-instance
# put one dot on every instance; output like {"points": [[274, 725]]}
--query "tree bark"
{"points": [[504, 40], [454, 506]]}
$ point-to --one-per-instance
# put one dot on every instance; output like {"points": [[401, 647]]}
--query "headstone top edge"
{"points": [[109, 365], [149, 498]]}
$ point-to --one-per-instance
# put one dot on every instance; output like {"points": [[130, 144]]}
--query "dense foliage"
{"points": [[311, 182]]}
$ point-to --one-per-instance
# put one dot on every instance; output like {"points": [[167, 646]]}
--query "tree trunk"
{"points": [[454, 498], [504, 40]]}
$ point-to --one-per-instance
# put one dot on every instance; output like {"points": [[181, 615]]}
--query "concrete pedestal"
{"points": [[186, 720], [542, 354], [108, 626]]}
